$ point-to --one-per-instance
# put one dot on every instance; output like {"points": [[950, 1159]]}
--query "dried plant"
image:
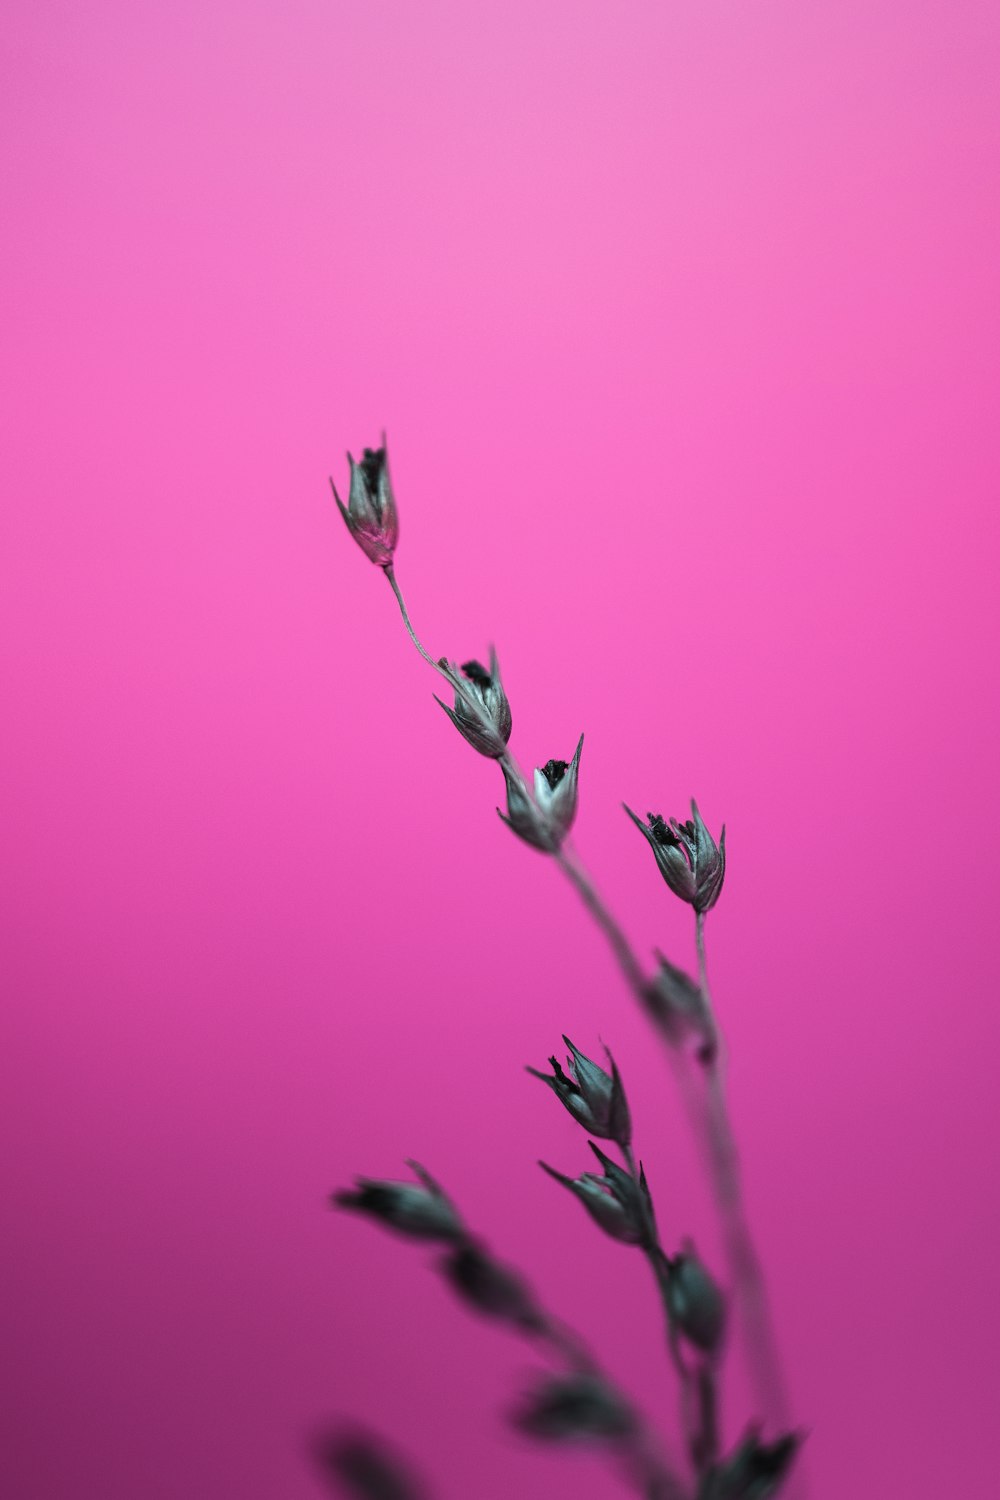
{"points": [[581, 1403]]}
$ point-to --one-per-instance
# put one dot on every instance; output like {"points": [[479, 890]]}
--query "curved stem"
{"points": [[704, 1097], [388, 571], [454, 681]]}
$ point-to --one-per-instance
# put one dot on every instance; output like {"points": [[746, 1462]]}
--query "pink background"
{"points": [[682, 320]]}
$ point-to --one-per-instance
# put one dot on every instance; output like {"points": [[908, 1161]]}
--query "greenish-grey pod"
{"points": [[594, 1097], [482, 712], [754, 1471], [574, 1408], [543, 817], [690, 861], [695, 1303], [556, 792], [489, 1287], [370, 513], [677, 1001], [418, 1210], [615, 1202]]}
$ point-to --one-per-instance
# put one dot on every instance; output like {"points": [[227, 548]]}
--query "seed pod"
{"points": [[481, 713], [688, 858], [420, 1211], [613, 1200], [370, 512], [593, 1097]]}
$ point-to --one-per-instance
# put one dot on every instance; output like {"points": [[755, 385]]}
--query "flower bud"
{"points": [[491, 1288], [419, 1211], [593, 1097], [571, 1408], [679, 1005], [613, 1200], [359, 1464], [689, 859], [544, 818], [481, 713], [755, 1471], [370, 512], [696, 1306]]}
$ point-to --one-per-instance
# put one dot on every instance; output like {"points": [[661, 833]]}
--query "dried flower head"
{"points": [[574, 1408], [421, 1211], [677, 1003], [481, 713], [544, 817], [361, 1465], [689, 859], [620, 1206], [754, 1471], [490, 1287], [593, 1097], [370, 512], [695, 1304]]}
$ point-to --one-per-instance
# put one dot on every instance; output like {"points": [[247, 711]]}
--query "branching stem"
{"points": [[701, 1084]]}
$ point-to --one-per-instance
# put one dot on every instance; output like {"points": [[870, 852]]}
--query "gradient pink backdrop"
{"points": [[682, 320]]}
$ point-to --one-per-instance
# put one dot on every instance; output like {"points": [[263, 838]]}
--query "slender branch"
{"points": [[620, 945], [709, 1113], [717, 1042], [703, 1095], [473, 706], [649, 1471], [390, 574]]}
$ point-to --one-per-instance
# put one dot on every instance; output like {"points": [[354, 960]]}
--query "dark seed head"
{"points": [[554, 771], [477, 673], [662, 832], [371, 466]]}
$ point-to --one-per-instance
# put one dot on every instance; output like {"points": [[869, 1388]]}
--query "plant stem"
{"points": [[703, 1094], [390, 574], [604, 918], [444, 670], [706, 1101]]}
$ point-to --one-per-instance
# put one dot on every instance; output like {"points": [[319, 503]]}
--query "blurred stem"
{"points": [[716, 1043], [620, 945], [705, 1097]]}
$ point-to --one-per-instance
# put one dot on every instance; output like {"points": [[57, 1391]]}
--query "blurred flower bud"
{"points": [[543, 819], [486, 725], [491, 1288], [593, 1097], [574, 1408], [755, 1471], [614, 1201], [678, 1003], [695, 1304], [356, 1463], [370, 511], [690, 861], [420, 1211]]}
